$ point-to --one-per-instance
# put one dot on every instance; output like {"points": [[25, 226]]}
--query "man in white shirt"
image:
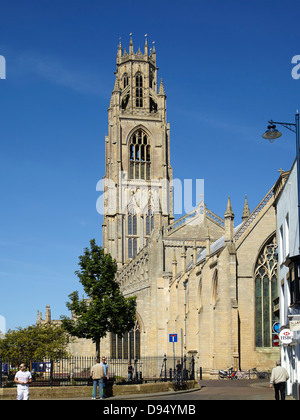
{"points": [[278, 379], [23, 379], [98, 376]]}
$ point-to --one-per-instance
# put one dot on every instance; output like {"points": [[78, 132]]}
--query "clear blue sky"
{"points": [[226, 67]]}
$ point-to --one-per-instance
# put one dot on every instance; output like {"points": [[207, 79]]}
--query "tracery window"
{"points": [[266, 290], [139, 156], [139, 90], [128, 346]]}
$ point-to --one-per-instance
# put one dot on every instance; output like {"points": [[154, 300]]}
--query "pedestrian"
{"points": [[97, 372], [178, 368], [23, 378], [130, 372], [278, 379], [106, 377]]}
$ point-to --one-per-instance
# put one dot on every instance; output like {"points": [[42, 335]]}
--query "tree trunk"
{"points": [[98, 348]]}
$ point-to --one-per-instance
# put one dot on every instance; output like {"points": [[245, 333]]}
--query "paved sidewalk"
{"points": [[154, 395], [208, 390], [213, 389]]}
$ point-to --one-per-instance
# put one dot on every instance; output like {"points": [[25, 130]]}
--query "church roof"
{"points": [[215, 246]]}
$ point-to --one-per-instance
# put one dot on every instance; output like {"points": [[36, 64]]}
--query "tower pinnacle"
{"points": [[246, 211]]}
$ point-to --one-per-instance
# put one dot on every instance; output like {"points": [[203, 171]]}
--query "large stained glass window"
{"points": [[266, 290]]}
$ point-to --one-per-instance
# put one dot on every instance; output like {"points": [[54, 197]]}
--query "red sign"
{"points": [[276, 340]]}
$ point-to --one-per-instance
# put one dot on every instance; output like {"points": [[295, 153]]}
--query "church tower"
{"points": [[138, 194]]}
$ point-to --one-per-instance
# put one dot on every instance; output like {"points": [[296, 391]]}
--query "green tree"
{"points": [[35, 343], [106, 309]]}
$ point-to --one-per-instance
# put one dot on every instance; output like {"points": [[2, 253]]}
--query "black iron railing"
{"points": [[77, 370]]}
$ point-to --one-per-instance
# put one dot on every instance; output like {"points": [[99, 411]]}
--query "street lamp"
{"points": [[272, 134]]}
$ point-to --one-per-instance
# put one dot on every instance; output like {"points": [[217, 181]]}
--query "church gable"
{"points": [[254, 218], [256, 229]]}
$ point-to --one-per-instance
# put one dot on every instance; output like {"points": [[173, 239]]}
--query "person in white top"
{"points": [[278, 379], [23, 379]]}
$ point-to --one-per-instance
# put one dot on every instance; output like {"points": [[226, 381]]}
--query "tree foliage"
{"points": [[34, 343], [106, 309]]}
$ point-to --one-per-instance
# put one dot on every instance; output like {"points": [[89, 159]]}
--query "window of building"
{"points": [[132, 247], [287, 235], [125, 101], [139, 156], [293, 280], [151, 78], [266, 291], [125, 80], [281, 245], [288, 290], [128, 346], [132, 233], [139, 90], [153, 105], [149, 222], [215, 288], [132, 223]]}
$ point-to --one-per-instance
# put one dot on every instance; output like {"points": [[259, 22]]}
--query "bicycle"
{"points": [[240, 374], [260, 375], [178, 381]]}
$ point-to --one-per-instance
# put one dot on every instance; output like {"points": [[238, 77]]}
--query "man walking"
{"points": [[98, 375], [23, 379], [278, 379]]}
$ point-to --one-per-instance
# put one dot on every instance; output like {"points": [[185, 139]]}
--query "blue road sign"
{"points": [[172, 338], [276, 327]]}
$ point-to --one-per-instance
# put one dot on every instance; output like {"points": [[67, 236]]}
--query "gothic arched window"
{"points": [[139, 156], [214, 296], [139, 90], [266, 290], [132, 227], [128, 346]]}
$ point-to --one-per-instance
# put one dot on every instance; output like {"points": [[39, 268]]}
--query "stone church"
{"points": [[202, 277]]}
